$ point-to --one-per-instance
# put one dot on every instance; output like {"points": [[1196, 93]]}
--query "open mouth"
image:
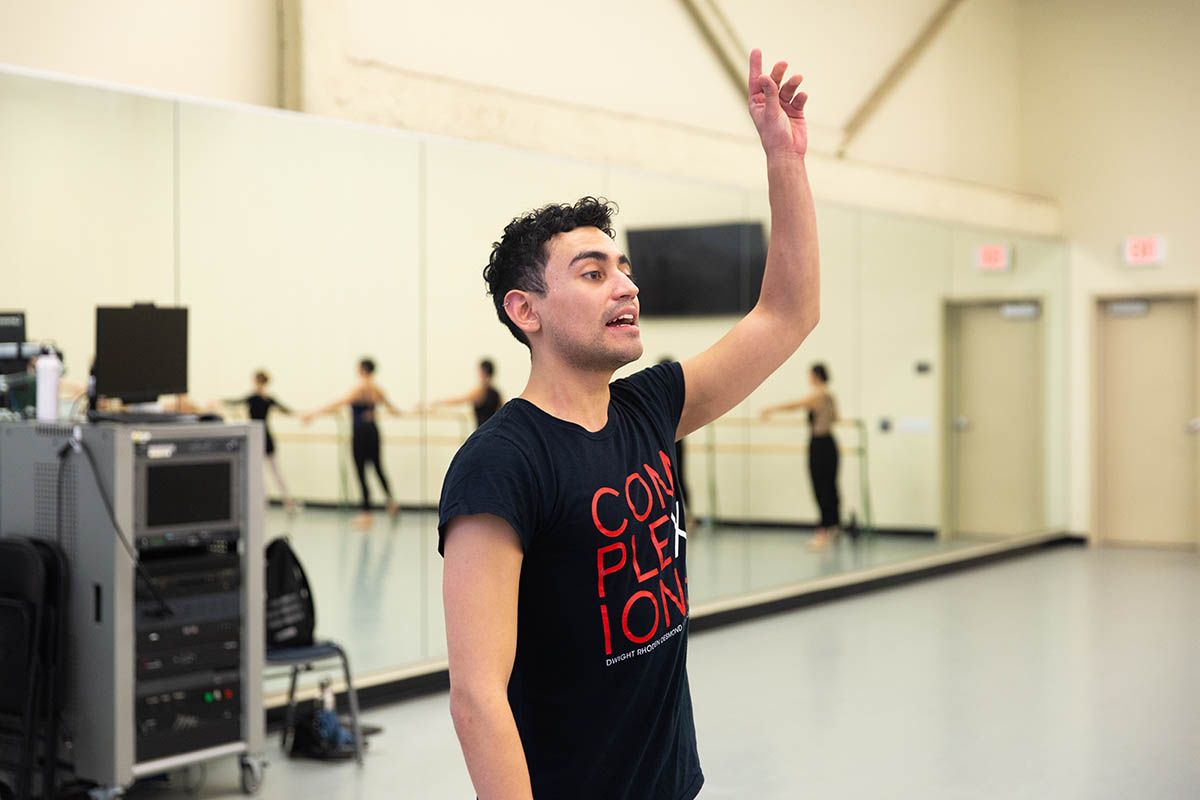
{"points": [[622, 321]]}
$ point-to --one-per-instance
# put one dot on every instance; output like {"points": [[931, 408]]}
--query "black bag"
{"points": [[319, 734], [290, 613]]}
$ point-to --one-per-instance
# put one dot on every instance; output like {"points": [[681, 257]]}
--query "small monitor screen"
{"points": [[12, 329], [188, 494], [141, 352]]}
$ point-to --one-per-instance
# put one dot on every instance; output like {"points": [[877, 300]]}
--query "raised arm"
{"points": [[386, 403], [479, 592], [798, 405], [789, 304], [334, 406], [474, 397]]}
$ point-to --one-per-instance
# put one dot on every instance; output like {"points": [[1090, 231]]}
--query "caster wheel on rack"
{"points": [[252, 774]]}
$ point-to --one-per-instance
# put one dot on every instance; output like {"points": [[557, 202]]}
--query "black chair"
{"points": [[22, 626], [53, 651], [303, 658]]}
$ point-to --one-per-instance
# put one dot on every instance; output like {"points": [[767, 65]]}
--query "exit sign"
{"points": [[1144, 251], [993, 257]]}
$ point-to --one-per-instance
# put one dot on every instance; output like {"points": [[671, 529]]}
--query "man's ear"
{"points": [[519, 307]]}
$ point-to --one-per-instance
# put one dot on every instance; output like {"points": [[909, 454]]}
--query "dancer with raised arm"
{"points": [[823, 456], [364, 435]]}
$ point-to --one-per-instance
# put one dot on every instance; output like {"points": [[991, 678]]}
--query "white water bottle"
{"points": [[49, 369]]}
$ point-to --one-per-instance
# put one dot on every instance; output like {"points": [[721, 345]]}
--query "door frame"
{"points": [[944, 442], [1096, 533]]}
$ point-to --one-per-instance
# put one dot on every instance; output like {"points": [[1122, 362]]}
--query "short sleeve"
{"points": [[660, 389], [490, 475]]}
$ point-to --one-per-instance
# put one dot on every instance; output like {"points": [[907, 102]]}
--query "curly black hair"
{"points": [[518, 260]]}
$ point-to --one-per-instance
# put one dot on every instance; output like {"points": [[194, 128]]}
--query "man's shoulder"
{"points": [[505, 433], [658, 384]]}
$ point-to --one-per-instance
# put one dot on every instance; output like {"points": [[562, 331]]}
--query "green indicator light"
{"points": [[208, 697]]}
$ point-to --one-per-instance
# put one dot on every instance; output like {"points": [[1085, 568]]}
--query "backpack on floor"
{"points": [[320, 734], [291, 616]]}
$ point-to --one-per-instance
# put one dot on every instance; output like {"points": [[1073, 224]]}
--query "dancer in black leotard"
{"points": [[822, 451], [362, 400], [259, 404], [484, 399]]}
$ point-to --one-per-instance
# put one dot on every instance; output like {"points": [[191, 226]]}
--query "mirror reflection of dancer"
{"points": [[362, 400], [822, 451], [259, 404], [484, 399], [567, 639]]}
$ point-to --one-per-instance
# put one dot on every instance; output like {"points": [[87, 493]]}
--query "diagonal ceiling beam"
{"points": [[721, 39], [891, 79]]}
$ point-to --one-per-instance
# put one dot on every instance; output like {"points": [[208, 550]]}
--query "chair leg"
{"points": [[30, 718], [289, 719], [50, 748], [353, 697]]}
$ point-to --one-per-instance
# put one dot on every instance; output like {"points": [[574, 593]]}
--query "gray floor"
{"points": [[1065, 674], [379, 591]]}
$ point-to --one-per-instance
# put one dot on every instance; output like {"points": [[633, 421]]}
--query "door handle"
{"points": [[1194, 425], [962, 424]]}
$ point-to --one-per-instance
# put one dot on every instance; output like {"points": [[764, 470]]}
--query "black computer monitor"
{"points": [[12, 329], [141, 352]]}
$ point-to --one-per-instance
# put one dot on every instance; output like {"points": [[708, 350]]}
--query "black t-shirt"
{"points": [[599, 686]]}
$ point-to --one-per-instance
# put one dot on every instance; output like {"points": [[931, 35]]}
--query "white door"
{"points": [[1148, 431], [995, 406]]}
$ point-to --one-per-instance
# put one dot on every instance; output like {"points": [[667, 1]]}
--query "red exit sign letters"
{"points": [[993, 257], [1144, 251]]}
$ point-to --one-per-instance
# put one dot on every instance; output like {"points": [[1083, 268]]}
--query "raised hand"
{"points": [[777, 109]]}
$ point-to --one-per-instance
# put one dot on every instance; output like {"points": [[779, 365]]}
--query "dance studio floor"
{"points": [[1068, 673], [379, 591]]}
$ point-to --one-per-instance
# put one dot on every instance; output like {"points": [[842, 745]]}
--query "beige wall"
{"points": [[637, 87], [224, 49], [1109, 129], [957, 113]]}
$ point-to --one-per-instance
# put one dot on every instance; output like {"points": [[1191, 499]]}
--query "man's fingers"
{"points": [[768, 88], [789, 89], [778, 72], [798, 102], [755, 69]]}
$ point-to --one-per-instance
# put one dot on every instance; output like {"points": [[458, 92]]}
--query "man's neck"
{"points": [[569, 393]]}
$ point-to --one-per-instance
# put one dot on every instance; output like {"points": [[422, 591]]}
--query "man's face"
{"points": [[589, 313]]}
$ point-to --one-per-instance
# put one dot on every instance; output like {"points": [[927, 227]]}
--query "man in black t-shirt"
{"points": [[561, 520]]}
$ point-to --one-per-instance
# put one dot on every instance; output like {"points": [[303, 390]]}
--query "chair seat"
{"points": [[292, 656]]}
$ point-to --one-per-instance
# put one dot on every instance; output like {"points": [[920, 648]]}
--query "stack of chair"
{"points": [[33, 581]]}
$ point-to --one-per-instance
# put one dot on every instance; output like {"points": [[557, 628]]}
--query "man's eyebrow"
{"points": [[598, 255]]}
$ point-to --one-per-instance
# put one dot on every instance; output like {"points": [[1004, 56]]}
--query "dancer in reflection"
{"points": [[362, 400], [259, 405], [483, 399], [822, 451], [567, 639]]}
